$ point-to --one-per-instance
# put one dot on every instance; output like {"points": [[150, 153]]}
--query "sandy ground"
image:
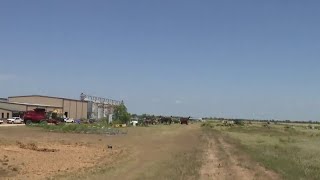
{"points": [[222, 163], [26, 159], [32, 164]]}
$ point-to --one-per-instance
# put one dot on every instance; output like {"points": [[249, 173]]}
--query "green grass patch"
{"points": [[97, 128]]}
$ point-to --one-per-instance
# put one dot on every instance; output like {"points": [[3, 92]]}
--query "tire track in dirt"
{"points": [[212, 168], [222, 162]]}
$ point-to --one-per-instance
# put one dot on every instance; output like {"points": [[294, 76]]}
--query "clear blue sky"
{"points": [[244, 59]]}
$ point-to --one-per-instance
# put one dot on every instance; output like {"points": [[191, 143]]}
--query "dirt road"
{"points": [[222, 161]]}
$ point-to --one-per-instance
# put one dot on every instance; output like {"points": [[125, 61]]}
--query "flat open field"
{"points": [[252, 151], [290, 150], [158, 152]]}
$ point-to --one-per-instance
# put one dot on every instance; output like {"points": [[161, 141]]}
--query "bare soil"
{"points": [[40, 160]]}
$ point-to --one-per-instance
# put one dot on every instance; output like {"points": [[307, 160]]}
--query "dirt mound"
{"points": [[34, 147]]}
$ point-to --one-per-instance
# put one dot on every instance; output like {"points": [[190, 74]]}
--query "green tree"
{"points": [[144, 116], [121, 114]]}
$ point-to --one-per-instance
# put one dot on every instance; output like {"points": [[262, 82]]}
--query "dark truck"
{"points": [[39, 116]]}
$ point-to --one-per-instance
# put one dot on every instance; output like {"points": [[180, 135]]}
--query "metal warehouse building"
{"points": [[71, 108], [14, 109]]}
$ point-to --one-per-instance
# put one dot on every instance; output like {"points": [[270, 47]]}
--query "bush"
{"points": [[104, 120], [207, 124], [266, 125], [287, 127], [238, 122]]}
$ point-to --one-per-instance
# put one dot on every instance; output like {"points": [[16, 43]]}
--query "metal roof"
{"points": [[46, 97], [30, 104], [6, 109]]}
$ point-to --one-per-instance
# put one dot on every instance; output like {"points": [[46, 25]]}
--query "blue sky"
{"points": [[238, 59]]}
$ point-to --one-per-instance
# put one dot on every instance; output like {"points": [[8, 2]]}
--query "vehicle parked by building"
{"points": [[39, 116], [15, 120], [68, 120], [1, 121]]}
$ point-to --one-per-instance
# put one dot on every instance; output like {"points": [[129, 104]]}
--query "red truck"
{"points": [[38, 116]]}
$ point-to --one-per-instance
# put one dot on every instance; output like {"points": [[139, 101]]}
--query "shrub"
{"points": [[207, 124], [238, 122], [95, 128], [266, 126], [287, 127]]}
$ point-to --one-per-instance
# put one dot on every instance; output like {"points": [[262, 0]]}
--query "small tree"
{"points": [[121, 114], [144, 116]]}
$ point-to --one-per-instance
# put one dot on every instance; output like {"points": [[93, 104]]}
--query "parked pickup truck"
{"points": [[15, 120], [68, 120]]}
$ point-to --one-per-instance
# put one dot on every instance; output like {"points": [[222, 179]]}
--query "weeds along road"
{"points": [[222, 160]]}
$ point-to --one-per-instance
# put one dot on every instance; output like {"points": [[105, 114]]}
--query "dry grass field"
{"points": [[290, 150], [195, 151], [158, 152]]}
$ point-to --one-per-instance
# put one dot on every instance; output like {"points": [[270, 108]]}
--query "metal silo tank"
{"points": [[105, 111], [100, 111], [95, 111]]}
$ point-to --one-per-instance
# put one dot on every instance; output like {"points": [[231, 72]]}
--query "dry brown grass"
{"points": [[157, 152], [292, 150]]}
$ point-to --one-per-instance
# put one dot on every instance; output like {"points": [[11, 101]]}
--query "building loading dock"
{"points": [[71, 108]]}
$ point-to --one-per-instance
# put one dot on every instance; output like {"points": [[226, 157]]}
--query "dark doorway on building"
{"points": [[66, 114], [17, 114]]}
